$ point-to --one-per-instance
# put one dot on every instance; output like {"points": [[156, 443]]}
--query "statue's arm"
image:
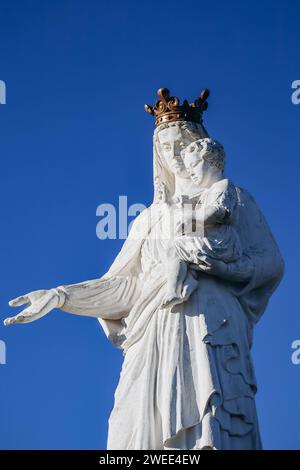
{"points": [[109, 297]]}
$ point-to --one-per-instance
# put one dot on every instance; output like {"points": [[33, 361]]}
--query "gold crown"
{"points": [[168, 108]]}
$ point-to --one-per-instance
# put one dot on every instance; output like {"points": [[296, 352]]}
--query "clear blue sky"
{"points": [[74, 135]]}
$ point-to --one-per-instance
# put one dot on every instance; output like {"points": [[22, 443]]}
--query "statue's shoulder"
{"points": [[140, 219], [249, 210], [144, 221], [250, 214], [224, 189], [244, 196], [255, 232], [146, 213]]}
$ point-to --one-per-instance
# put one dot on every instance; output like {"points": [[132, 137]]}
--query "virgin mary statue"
{"points": [[187, 380]]}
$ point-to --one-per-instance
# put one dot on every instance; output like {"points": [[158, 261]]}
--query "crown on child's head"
{"points": [[168, 109]]}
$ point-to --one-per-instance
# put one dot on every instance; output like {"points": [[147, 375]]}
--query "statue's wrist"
{"points": [[61, 296]]}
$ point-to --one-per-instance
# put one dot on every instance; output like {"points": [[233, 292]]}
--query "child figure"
{"points": [[205, 225]]}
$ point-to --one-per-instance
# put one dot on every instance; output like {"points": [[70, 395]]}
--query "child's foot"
{"points": [[172, 298], [188, 288]]}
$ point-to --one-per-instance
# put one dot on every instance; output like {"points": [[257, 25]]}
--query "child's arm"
{"points": [[219, 206], [211, 215]]}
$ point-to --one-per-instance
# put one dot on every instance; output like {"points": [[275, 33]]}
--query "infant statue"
{"points": [[204, 224]]}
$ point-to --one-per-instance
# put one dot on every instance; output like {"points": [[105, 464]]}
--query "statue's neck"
{"points": [[186, 187]]}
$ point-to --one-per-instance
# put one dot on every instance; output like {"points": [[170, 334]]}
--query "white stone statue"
{"points": [[182, 304]]}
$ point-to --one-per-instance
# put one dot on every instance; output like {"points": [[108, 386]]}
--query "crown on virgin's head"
{"points": [[168, 108]]}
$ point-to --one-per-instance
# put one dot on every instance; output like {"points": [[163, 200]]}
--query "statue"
{"points": [[182, 297]]}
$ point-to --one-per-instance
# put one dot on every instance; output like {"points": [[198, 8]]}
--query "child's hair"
{"points": [[210, 149]]}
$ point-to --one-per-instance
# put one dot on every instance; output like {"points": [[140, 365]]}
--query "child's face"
{"points": [[195, 165]]}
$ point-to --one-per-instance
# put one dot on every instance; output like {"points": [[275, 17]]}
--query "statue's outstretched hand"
{"points": [[40, 303]]}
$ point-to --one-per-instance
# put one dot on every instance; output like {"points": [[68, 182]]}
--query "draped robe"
{"points": [[187, 380]]}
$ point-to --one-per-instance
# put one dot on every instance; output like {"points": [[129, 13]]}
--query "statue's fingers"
{"points": [[200, 267], [205, 260], [18, 301], [9, 321], [205, 267], [202, 259], [26, 315], [20, 318]]}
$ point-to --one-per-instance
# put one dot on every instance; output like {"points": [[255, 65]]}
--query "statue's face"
{"points": [[196, 167], [172, 140]]}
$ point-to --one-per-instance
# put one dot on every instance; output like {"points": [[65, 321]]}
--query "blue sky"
{"points": [[74, 135]]}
